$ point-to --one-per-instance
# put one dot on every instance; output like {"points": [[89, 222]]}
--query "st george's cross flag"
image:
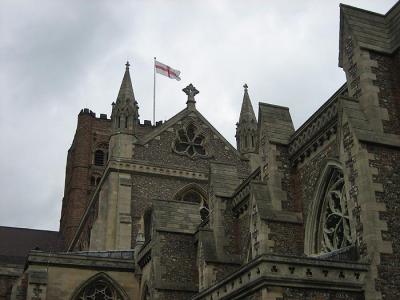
{"points": [[166, 70]]}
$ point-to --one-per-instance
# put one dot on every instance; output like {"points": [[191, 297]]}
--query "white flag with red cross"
{"points": [[166, 70]]}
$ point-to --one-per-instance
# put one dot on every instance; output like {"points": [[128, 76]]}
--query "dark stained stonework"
{"points": [[173, 211]]}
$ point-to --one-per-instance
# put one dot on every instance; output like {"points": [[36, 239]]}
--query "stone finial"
{"points": [[190, 91], [127, 65], [245, 87]]}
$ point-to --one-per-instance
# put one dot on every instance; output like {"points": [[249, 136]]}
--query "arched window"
{"points": [[100, 287], [92, 181], [99, 158], [328, 224], [195, 194]]}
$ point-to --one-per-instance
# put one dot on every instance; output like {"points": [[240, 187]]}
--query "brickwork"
{"points": [[90, 133]]}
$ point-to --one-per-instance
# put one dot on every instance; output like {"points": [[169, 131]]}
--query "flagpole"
{"points": [[154, 93]]}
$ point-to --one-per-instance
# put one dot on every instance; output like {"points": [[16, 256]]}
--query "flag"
{"points": [[166, 70]]}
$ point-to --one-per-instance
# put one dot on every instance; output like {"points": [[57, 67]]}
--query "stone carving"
{"points": [[336, 232], [190, 142]]}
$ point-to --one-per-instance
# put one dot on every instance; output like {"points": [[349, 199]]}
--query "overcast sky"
{"points": [[57, 57]]}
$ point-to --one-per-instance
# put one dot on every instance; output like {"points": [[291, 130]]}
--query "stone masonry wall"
{"points": [[387, 161], [388, 81], [314, 294], [159, 151], [146, 187], [178, 260], [308, 174], [283, 162], [288, 238]]}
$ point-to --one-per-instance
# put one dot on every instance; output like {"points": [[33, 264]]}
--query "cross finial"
{"points": [[127, 65], [190, 91], [245, 86]]}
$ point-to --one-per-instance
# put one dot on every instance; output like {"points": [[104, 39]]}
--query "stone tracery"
{"points": [[335, 223], [190, 142], [99, 290]]}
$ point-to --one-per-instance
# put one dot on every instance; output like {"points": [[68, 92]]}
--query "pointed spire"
{"points": [[247, 111], [126, 90], [246, 130], [125, 111]]}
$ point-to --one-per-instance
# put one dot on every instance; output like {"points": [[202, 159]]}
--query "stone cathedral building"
{"points": [[173, 211]]}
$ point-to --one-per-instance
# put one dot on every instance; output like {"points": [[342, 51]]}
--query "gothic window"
{"points": [[190, 142], [100, 287], [193, 193], [192, 196], [328, 224], [335, 224], [99, 158], [92, 181]]}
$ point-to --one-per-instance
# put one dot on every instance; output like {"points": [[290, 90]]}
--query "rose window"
{"points": [[336, 231], [190, 142], [99, 291]]}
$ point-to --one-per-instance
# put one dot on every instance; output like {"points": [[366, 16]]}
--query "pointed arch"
{"points": [[328, 225], [191, 187], [100, 283], [196, 194]]}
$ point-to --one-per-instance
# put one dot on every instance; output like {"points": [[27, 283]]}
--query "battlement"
{"points": [[87, 111], [148, 123]]}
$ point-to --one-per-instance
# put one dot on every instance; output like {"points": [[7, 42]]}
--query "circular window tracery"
{"points": [[190, 142]]}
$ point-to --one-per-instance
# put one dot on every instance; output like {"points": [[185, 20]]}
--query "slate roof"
{"points": [[371, 30], [15, 243]]}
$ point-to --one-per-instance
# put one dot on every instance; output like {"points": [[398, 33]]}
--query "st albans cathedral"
{"points": [[173, 211]]}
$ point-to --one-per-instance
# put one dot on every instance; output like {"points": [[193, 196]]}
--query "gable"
{"points": [[187, 140]]}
